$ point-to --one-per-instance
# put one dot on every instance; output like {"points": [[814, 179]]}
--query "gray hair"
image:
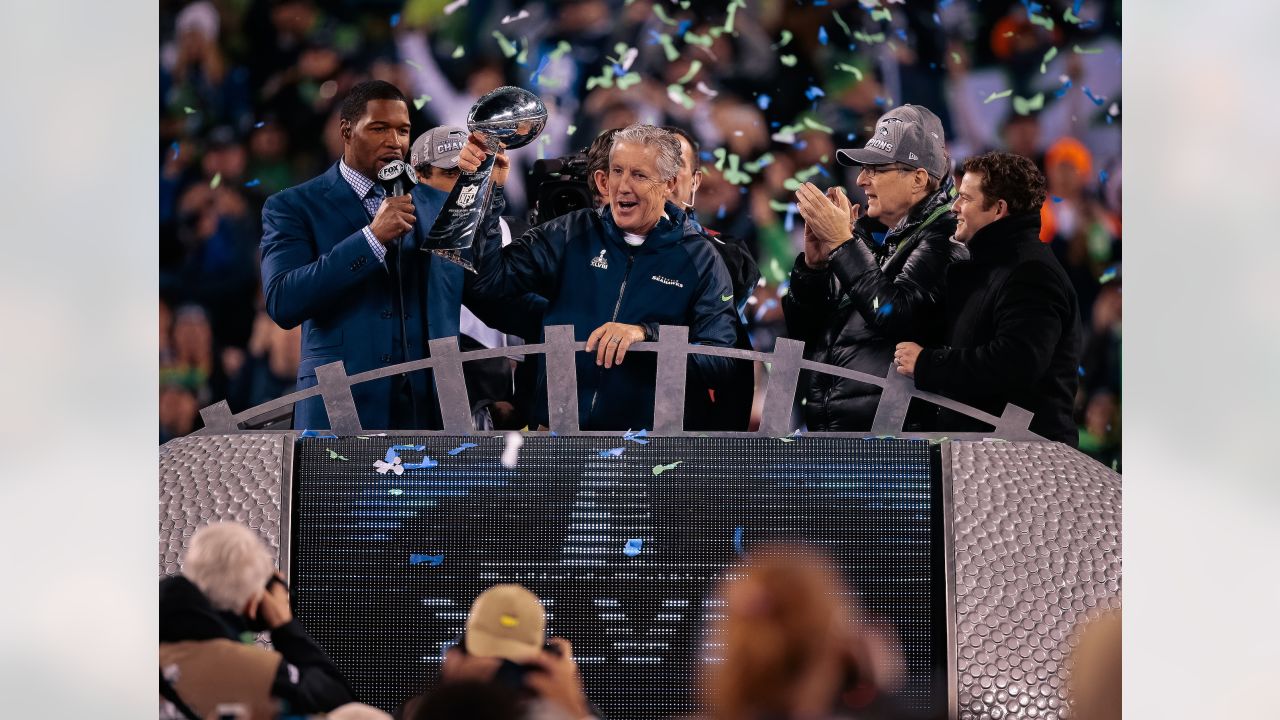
{"points": [[229, 563], [668, 146]]}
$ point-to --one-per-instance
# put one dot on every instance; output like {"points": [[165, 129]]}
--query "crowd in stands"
{"points": [[250, 92], [789, 641]]}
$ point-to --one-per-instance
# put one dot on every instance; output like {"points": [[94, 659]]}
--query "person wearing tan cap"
{"points": [[867, 282]]}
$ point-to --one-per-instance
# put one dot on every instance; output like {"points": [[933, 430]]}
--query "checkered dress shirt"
{"points": [[371, 195]]}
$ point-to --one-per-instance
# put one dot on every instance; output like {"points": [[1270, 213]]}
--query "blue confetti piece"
{"points": [[390, 456], [1063, 90], [706, 156], [612, 452], [637, 437], [819, 3], [1080, 370], [823, 171], [1109, 274], [427, 462], [822, 35], [409, 447], [943, 4], [763, 101], [1102, 176], [1055, 198], [737, 540], [1096, 100], [881, 102], [431, 560], [902, 33], [542, 65], [253, 183], [851, 136], [395, 19], [1034, 7], [317, 434], [259, 124], [720, 213], [885, 309], [175, 147], [814, 92], [765, 307], [936, 21], [1075, 8], [683, 27], [789, 223], [461, 447], [654, 37], [800, 144], [632, 548]]}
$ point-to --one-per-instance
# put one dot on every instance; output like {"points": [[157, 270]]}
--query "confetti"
{"points": [[216, 181], [737, 540], [628, 56], [822, 34], [668, 47], [782, 42], [395, 19], [508, 50], [395, 491], [571, 130], [1080, 370], [699, 40], [518, 16], [694, 67], [1087, 51], [628, 80], [334, 455], [885, 309], [175, 147], [659, 469], [460, 448], [259, 124], [1107, 277], [1096, 100], [868, 39], [511, 451], [426, 463], [421, 100], [459, 52], [792, 437], [702, 88], [431, 560], [857, 74], [1051, 54], [1024, 106], [248, 638], [523, 57], [454, 6], [317, 434], [678, 96], [955, 58], [762, 102], [384, 467], [632, 548], [1070, 16], [1055, 198], [662, 16], [612, 452], [414, 65], [881, 14], [814, 92], [997, 95], [732, 10], [840, 21], [562, 48], [637, 436], [788, 60], [815, 125], [188, 110], [1044, 22], [253, 183]]}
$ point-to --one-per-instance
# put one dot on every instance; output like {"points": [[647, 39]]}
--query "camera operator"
{"points": [[229, 588]]}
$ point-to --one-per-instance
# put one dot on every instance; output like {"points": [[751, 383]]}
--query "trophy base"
{"points": [[455, 257]]}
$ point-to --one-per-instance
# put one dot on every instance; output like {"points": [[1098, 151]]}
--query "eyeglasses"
{"points": [[873, 170]]}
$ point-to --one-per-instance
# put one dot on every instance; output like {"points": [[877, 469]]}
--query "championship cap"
{"points": [[910, 134], [506, 621], [438, 147]]}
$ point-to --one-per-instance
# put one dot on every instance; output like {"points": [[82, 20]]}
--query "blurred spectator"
{"points": [[191, 363], [179, 411], [789, 645], [1081, 231], [229, 588], [1096, 686]]}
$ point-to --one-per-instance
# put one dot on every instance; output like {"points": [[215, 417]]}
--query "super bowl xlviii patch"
{"points": [[600, 261], [667, 281], [468, 195]]}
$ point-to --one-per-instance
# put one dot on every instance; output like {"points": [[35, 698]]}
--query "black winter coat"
{"points": [[871, 297], [1012, 332]]}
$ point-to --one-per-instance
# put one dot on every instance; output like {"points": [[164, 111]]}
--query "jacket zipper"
{"points": [[616, 307]]}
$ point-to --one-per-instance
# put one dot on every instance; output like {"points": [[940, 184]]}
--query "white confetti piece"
{"points": [[511, 451]]}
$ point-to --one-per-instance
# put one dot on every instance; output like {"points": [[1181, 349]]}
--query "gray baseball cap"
{"points": [[438, 147], [910, 134]]}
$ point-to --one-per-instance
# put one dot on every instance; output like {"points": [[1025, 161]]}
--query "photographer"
{"points": [[229, 588]]}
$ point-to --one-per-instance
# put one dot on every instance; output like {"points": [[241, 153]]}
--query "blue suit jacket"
{"points": [[318, 271]]}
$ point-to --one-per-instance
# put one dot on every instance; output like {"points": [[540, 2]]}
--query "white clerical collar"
{"points": [[637, 240]]}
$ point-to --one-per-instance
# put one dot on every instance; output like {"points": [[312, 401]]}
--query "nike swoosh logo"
{"points": [[726, 298]]}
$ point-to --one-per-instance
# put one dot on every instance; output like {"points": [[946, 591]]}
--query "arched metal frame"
{"points": [[672, 347]]}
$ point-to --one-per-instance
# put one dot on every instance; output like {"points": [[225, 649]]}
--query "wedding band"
{"points": [[615, 340]]}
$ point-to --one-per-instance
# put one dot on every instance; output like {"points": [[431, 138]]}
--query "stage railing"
{"points": [[672, 347]]}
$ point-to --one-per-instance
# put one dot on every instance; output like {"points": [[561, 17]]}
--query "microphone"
{"points": [[397, 178]]}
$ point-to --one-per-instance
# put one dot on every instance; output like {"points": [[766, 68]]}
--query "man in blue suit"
{"points": [[341, 258]]}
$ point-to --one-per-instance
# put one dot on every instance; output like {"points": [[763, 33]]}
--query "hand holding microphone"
{"points": [[395, 216]]}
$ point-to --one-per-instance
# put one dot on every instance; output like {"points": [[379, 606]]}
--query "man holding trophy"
{"points": [[615, 274]]}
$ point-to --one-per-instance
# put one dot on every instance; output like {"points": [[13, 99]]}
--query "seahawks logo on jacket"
{"points": [[667, 281]]}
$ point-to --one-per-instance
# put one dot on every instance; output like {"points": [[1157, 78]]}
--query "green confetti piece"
{"points": [[561, 49], [571, 130], [188, 110], [659, 469], [459, 52], [626, 81], [395, 491], [755, 165], [815, 125], [508, 50], [786, 439], [996, 96], [693, 71], [881, 14], [248, 638], [661, 14], [1044, 22], [694, 38], [939, 441], [1071, 17], [733, 174], [955, 58], [732, 14], [1024, 106], [678, 95], [421, 100], [840, 21], [334, 455], [1087, 51], [1051, 54], [788, 60], [786, 38], [523, 57], [685, 4], [869, 39], [668, 47], [604, 80], [857, 74], [777, 206], [216, 181], [720, 155], [413, 65]]}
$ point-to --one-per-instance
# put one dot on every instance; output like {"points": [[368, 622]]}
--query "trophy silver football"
{"points": [[508, 118]]}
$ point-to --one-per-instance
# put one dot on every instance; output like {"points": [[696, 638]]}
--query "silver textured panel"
{"points": [[207, 478], [1037, 552]]}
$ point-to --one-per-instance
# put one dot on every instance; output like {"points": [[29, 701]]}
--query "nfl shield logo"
{"points": [[468, 195]]}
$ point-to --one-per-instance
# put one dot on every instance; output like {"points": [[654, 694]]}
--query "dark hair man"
{"points": [[340, 258], [1012, 322], [616, 274], [229, 587], [852, 295]]}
